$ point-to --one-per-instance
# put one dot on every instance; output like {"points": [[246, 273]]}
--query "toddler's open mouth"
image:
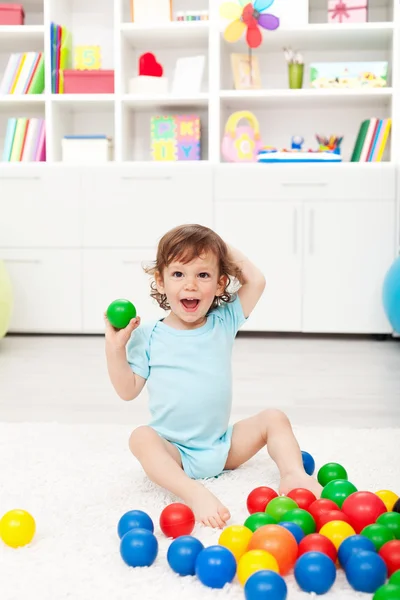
{"points": [[190, 304]]}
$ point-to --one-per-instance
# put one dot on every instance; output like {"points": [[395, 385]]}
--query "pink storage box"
{"points": [[88, 82], [347, 11], [12, 14]]}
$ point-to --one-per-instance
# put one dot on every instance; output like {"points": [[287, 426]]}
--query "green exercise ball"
{"points": [[338, 490], [120, 312], [331, 471]]}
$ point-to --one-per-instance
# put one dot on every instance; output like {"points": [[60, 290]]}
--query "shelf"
{"points": [[152, 102], [21, 102], [21, 38], [90, 102], [186, 34]]}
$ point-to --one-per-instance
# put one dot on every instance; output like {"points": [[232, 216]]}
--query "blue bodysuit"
{"points": [[189, 380]]}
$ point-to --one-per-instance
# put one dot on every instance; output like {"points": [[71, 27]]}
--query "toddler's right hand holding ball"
{"points": [[118, 338]]}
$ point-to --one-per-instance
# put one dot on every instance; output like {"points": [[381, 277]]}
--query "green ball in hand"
{"points": [[331, 471], [120, 312]]}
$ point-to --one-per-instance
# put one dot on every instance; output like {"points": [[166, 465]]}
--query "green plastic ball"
{"points": [[257, 520], [395, 578], [280, 506], [391, 520], [338, 490], [378, 534], [330, 472], [120, 312], [302, 518], [389, 591]]}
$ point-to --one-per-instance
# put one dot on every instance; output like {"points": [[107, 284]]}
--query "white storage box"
{"points": [[87, 149], [144, 84]]}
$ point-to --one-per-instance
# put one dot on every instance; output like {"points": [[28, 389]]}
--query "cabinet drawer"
{"points": [[305, 182], [39, 207], [127, 207], [108, 275], [46, 289]]}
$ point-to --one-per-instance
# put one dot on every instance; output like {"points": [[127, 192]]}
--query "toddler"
{"points": [[185, 359]]}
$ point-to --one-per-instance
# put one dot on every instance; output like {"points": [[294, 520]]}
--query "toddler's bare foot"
{"points": [[208, 509], [299, 479]]}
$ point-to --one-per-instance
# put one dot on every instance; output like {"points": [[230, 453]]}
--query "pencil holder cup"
{"points": [[296, 73]]}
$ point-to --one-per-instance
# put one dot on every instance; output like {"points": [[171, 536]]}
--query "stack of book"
{"points": [[24, 74], [25, 140], [61, 55], [371, 140]]}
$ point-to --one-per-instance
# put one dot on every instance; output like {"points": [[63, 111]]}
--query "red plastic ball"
{"points": [[363, 508], [320, 506], [390, 552], [176, 519], [258, 499], [302, 497], [315, 542], [332, 515]]}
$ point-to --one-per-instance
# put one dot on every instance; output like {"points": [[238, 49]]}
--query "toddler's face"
{"points": [[191, 288]]}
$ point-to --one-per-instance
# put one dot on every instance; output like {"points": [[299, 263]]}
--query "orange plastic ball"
{"points": [[279, 542]]}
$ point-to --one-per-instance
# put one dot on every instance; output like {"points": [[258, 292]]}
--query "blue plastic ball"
{"points": [[294, 529], [134, 519], [265, 584], [182, 554], [139, 548], [215, 566], [315, 572], [366, 571], [308, 462], [391, 295], [354, 543]]}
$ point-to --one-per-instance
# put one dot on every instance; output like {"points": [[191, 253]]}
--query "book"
{"points": [[355, 157]]}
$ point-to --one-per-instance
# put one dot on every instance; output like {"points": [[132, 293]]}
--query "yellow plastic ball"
{"points": [[17, 528], [236, 538], [253, 561], [388, 498], [337, 532]]}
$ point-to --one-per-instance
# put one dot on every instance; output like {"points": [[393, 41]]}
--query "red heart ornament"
{"points": [[149, 66]]}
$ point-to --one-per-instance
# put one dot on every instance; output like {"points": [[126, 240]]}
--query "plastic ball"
{"points": [[315, 572], [302, 518], [265, 584], [120, 312], [17, 528], [387, 592], [332, 515], [391, 520], [257, 520], [391, 295], [134, 519], [258, 499], [396, 507], [330, 472], [236, 538], [182, 554], [366, 571], [395, 578], [337, 532], [308, 462], [378, 534], [354, 543], [390, 552], [177, 519], [302, 497], [363, 508], [318, 543], [253, 561], [279, 506], [388, 498], [320, 506], [279, 542], [338, 490], [215, 566], [139, 548], [294, 529]]}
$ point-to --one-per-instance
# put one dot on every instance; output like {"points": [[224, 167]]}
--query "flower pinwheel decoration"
{"points": [[248, 15]]}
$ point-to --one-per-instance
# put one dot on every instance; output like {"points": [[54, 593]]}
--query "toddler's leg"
{"points": [[162, 463], [271, 428]]}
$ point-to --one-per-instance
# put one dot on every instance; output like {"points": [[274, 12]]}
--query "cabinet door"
{"points": [[133, 206], [39, 207], [46, 290], [108, 275], [269, 233], [349, 247]]}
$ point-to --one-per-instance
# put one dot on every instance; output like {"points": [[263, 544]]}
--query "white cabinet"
{"points": [[348, 248], [112, 274], [270, 233], [46, 290]]}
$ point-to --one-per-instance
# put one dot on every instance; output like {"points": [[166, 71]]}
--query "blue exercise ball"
{"points": [[139, 548], [315, 572], [366, 571], [391, 295], [182, 554], [134, 519], [354, 543], [215, 566], [308, 462], [265, 584], [294, 529]]}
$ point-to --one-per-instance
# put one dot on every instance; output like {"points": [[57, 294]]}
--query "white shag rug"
{"points": [[78, 480]]}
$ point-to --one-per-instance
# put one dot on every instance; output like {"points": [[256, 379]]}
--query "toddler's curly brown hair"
{"points": [[185, 243]]}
